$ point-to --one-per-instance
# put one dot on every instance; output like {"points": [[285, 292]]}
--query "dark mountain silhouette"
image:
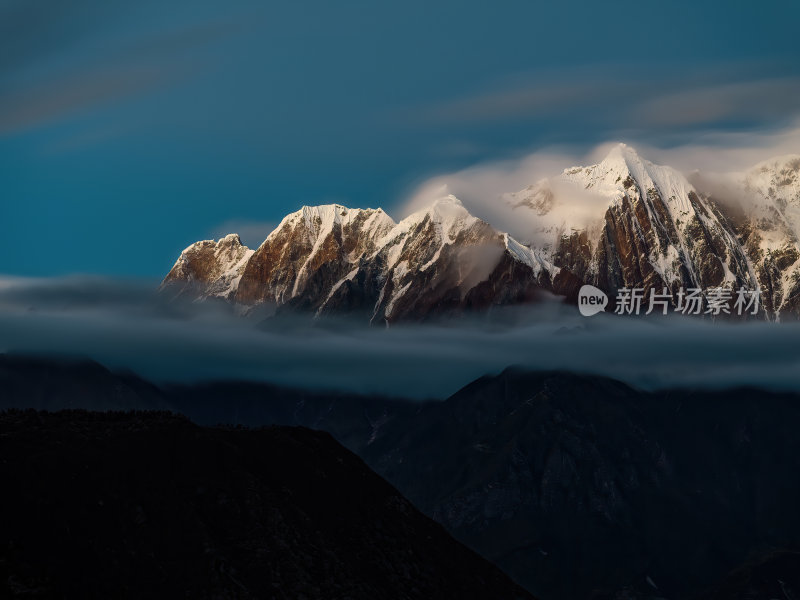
{"points": [[576, 486], [775, 575], [149, 505]]}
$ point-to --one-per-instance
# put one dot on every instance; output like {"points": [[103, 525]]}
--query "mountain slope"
{"points": [[577, 484], [209, 269], [114, 505], [763, 207], [638, 225], [309, 252]]}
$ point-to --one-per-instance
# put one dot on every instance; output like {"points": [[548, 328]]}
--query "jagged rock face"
{"points": [[208, 268], [763, 207], [333, 260], [638, 225], [440, 260], [310, 251]]}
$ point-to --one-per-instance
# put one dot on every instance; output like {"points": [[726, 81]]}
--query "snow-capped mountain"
{"points": [[332, 259], [637, 224], [766, 219], [209, 269], [624, 222], [311, 251]]}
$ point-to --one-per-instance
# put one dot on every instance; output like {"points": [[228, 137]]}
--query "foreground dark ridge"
{"points": [[144, 505], [578, 487]]}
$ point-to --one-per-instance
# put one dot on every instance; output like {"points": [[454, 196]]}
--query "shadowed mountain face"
{"points": [[122, 505], [581, 484], [576, 486], [776, 575]]}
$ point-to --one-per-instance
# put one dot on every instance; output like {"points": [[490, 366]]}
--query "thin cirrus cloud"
{"points": [[66, 96], [747, 101], [111, 71], [619, 100]]}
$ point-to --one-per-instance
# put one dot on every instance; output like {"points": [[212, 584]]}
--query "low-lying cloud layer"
{"points": [[125, 325]]}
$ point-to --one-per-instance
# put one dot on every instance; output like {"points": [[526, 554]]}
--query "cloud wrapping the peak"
{"points": [[481, 186]]}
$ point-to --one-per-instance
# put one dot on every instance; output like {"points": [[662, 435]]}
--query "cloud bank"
{"points": [[125, 325]]}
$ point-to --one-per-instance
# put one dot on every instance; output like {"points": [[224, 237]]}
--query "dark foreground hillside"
{"points": [[143, 505], [578, 487]]}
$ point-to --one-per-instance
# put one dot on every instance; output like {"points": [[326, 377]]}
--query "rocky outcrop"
{"points": [[763, 207], [209, 269], [310, 252]]}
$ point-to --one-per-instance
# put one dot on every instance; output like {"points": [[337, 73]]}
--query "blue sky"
{"points": [[129, 130]]}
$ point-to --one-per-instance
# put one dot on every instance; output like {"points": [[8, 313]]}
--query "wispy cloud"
{"points": [[118, 70], [623, 99], [48, 101], [750, 101], [542, 99], [726, 151]]}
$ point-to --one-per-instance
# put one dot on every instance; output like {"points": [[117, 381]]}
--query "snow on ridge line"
{"points": [[609, 177], [528, 256], [328, 214], [199, 243]]}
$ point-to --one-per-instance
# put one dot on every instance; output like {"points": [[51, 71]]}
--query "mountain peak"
{"points": [[446, 211], [326, 212], [448, 199], [623, 168], [331, 211], [448, 203], [321, 219], [622, 157], [620, 160], [232, 239]]}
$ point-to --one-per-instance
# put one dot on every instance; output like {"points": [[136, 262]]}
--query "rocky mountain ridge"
{"points": [[332, 259], [622, 223]]}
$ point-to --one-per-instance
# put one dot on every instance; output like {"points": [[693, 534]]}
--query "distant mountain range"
{"points": [[576, 486], [622, 223]]}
